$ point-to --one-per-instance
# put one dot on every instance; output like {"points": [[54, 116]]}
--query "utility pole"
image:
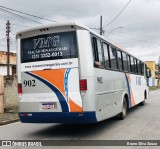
{"points": [[8, 45], [101, 28]]}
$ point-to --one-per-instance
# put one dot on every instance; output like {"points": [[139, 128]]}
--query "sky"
{"points": [[136, 29]]}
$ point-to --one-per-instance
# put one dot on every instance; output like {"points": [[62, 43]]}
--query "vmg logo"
{"points": [[46, 42]]}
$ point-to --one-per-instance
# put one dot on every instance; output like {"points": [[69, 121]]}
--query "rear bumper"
{"points": [[58, 117]]}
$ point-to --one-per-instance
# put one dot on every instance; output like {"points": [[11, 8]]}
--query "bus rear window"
{"points": [[49, 47]]}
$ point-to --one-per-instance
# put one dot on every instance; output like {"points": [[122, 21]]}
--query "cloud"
{"points": [[141, 32]]}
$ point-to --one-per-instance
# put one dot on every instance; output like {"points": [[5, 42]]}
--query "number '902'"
{"points": [[29, 83]]}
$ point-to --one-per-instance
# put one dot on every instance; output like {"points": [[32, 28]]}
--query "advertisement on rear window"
{"points": [[49, 47]]}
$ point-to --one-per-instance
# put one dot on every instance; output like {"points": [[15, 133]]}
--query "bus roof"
{"points": [[65, 24], [74, 24], [52, 25]]}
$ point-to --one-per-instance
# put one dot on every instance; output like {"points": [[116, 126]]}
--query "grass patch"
{"points": [[153, 88]]}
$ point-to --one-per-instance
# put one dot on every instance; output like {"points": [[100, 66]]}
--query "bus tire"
{"points": [[144, 101], [123, 114]]}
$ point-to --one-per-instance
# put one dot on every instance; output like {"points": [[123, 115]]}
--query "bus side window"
{"points": [[136, 67], [98, 55], [113, 57], [119, 59], [106, 55], [142, 68], [132, 65], [129, 63], [125, 61], [94, 43], [145, 71]]}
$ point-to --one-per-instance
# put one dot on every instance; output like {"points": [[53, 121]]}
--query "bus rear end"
{"points": [[49, 84]]}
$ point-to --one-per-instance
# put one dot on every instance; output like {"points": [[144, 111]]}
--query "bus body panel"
{"points": [[86, 68], [109, 93], [18, 42], [52, 86], [137, 87]]}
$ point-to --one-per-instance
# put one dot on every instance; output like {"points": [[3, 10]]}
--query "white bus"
{"points": [[69, 74]]}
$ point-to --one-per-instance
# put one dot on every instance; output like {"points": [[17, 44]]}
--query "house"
{"points": [[152, 66], [3, 63], [158, 72]]}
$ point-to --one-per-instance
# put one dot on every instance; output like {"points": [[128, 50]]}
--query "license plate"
{"points": [[48, 105]]}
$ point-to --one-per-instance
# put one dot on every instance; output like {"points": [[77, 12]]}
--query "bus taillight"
{"points": [[19, 88], [83, 85]]}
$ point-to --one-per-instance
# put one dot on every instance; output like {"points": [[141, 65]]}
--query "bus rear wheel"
{"points": [[143, 102], [123, 114]]}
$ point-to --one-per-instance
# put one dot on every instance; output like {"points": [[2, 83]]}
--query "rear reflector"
{"points": [[25, 114], [83, 85], [19, 88]]}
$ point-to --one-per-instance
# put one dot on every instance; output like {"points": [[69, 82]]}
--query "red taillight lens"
{"points": [[83, 85], [19, 88]]}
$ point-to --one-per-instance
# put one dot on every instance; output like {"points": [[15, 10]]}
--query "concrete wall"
{"points": [[150, 82], [3, 57], [1, 94], [11, 95], [156, 82], [153, 82]]}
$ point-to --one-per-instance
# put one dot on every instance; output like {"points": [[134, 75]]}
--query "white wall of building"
{"points": [[3, 70]]}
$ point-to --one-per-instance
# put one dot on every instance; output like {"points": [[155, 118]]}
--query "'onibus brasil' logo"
{"points": [[46, 42]]}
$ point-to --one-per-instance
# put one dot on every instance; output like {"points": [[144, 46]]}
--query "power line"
{"points": [[18, 15], [1, 9], [117, 14], [94, 28], [28, 14], [21, 25]]}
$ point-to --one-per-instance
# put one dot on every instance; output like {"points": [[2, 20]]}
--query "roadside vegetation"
{"points": [[154, 88]]}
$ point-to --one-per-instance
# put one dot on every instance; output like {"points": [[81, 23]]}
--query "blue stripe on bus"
{"points": [[61, 99], [58, 117], [66, 82], [129, 93]]}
